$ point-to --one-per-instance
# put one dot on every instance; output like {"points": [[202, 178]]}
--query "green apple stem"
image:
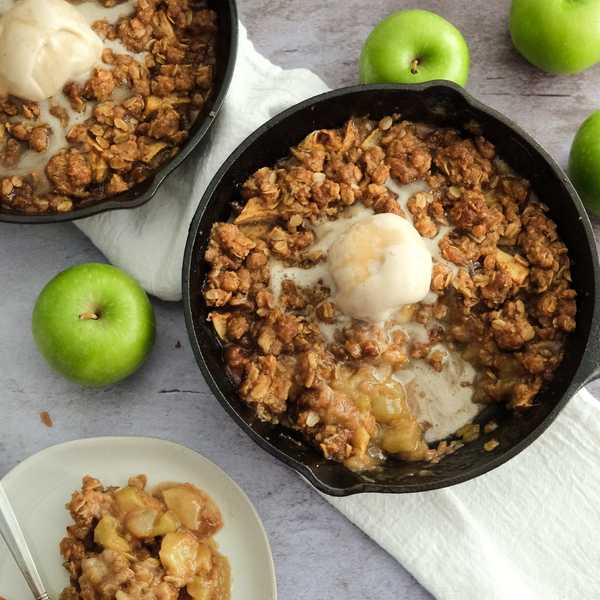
{"points": [[414, 66], [86, 316]]}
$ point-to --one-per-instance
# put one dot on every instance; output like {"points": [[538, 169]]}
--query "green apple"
{"points": [[558, 36], [584, 162], [413, 46], [94, 324]]}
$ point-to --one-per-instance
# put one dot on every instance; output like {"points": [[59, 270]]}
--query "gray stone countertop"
{"points": [[318, 554]]}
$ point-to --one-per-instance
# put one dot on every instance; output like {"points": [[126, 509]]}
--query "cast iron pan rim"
{"points": [[160, 176], [303, 470]]}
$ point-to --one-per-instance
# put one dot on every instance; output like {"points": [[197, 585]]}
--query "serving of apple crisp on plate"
{"points": [[384, 282], [129, 544], [188, 532], [97, 95]]}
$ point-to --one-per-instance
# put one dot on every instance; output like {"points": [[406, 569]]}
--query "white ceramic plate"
{"points": [[40, 486]]}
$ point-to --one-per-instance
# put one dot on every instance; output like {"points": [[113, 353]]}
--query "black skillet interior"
{"points": [[140, 194], [442, 104]]}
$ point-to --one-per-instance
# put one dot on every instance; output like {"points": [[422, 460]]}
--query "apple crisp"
{"points": [[129, 544], [491, 329], [114, 128]]}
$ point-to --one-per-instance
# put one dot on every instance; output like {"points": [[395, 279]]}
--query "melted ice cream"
{"points": [[443, 400]]}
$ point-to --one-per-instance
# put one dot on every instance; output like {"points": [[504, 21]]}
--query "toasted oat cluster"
{"points": [[103, 136], [501, 288], [128, 544]]}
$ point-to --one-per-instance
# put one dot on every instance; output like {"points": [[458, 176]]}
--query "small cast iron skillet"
{"points": [[443, 104], [140, 194]]}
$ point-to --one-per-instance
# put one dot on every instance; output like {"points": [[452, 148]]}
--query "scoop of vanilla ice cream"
{"points": [[378, 265], [43, 45]]}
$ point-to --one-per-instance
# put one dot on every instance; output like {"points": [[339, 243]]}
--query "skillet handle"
{"points": [[593, 376], [590, 364]]}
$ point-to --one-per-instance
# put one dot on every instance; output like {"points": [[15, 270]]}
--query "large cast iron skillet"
{"points": [[140, 194], [444, 104]]}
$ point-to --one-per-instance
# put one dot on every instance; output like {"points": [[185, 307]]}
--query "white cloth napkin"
{"points": [[529, 530], [148, 242]]}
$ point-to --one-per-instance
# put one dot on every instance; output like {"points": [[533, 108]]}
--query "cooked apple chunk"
{"points": [[179, 555], [515, 266], [107, 534], [196, 511], [256, 212]]}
